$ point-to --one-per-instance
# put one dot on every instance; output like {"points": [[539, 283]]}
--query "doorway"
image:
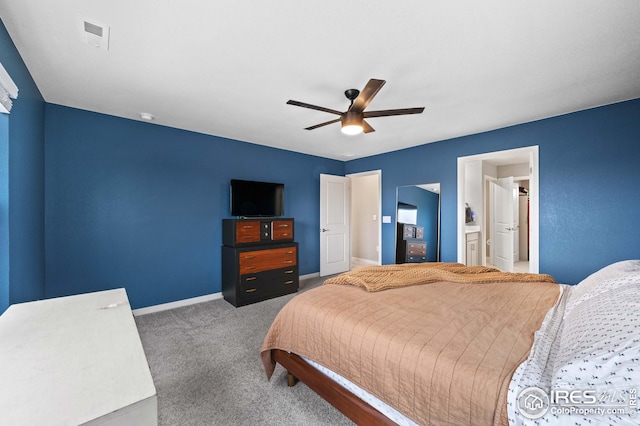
{"points": [[474, 173], [366, 223], [520, 214], [350, 221]]}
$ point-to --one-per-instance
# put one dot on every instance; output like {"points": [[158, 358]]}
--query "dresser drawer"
{"points": [[419, 232], [269, 282], [416, 259], [282, 230], [247, 232], [264, 260], [257, 231], [416, 249], [407, 231]]}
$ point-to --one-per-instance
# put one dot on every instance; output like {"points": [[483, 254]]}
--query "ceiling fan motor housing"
{"points": [[350, 118]]}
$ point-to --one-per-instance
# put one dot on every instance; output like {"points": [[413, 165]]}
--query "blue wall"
{"points": [[427, 203], [136, 205], [139, 205], [589, 180], [22, 276]]}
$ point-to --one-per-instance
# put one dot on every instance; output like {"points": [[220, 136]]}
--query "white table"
{"points": [[74, 360]]}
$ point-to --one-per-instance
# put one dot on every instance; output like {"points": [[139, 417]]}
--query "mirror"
{"points": [[418, 223]]}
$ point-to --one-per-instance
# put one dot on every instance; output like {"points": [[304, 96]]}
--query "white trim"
{"points": [[8, 90], [5, 101], [194, 300], [369, 262], [309, 276], [483, 229], [7, 83], [176, 304], [534, 211], [532, 153], [378, 173]]}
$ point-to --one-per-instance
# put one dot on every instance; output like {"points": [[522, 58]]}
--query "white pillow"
{"points": [[590, 286], [599, 345]]}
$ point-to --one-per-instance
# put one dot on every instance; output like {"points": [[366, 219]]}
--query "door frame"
{"points": [[377, 173], [510, 156], [488, 251], [348, 206]]}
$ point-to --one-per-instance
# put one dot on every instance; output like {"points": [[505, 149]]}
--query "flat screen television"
{"points": [[252, 199]]}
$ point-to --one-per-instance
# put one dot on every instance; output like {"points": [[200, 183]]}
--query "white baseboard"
{"points": [[361, 261], [176, 304], [309, 276], [194, 300]]}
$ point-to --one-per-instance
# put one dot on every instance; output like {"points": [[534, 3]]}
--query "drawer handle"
{"points": [[289, 271], [251, 278], [249, 257], [289, 282], [248, 226], [284, 234], [288, 261], [246, 237], [290, 252], [250, 290], [250, 267]]}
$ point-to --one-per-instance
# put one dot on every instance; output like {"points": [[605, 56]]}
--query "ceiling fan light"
{"points": [[351, 129], [351, 123]]}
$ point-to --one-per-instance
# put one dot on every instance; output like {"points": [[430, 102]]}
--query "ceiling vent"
{"points": [[95, 34]]}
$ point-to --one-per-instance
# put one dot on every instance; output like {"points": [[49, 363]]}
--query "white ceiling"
{"points": [[227, 68]]}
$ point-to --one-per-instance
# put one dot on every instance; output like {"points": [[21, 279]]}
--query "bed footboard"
{"points": [[346, 402]]}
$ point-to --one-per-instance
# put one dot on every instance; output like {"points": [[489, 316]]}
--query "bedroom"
{"points": [[93, 201]]}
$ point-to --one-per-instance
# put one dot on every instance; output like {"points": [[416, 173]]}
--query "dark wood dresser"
{"points": [[409, 245], [259, 260], [411, 251]]}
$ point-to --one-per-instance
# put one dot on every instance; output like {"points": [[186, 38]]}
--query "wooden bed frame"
{"points": [[346, 402]]}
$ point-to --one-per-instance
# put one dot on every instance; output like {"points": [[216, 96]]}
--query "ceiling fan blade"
{"points": [[366, 127], [388, 112], [319, 108], [366, 95], [322, 124]]}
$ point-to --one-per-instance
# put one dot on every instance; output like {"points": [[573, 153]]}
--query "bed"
{"points": [[441, 343]]}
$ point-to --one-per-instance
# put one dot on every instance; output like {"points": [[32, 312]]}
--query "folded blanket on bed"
{"points": [[377, 278]]}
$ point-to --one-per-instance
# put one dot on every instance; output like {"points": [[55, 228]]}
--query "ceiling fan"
{"points": [[353, 118]]}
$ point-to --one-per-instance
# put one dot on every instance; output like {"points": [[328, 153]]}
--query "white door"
{"points": [[335, 246], [503, 226], [516, 221]]}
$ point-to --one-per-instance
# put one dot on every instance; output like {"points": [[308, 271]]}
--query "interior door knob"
{"points": [[324, 230]]}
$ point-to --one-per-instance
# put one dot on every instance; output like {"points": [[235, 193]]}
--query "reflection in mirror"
{"points": [[418, 223], [407, 213]]}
